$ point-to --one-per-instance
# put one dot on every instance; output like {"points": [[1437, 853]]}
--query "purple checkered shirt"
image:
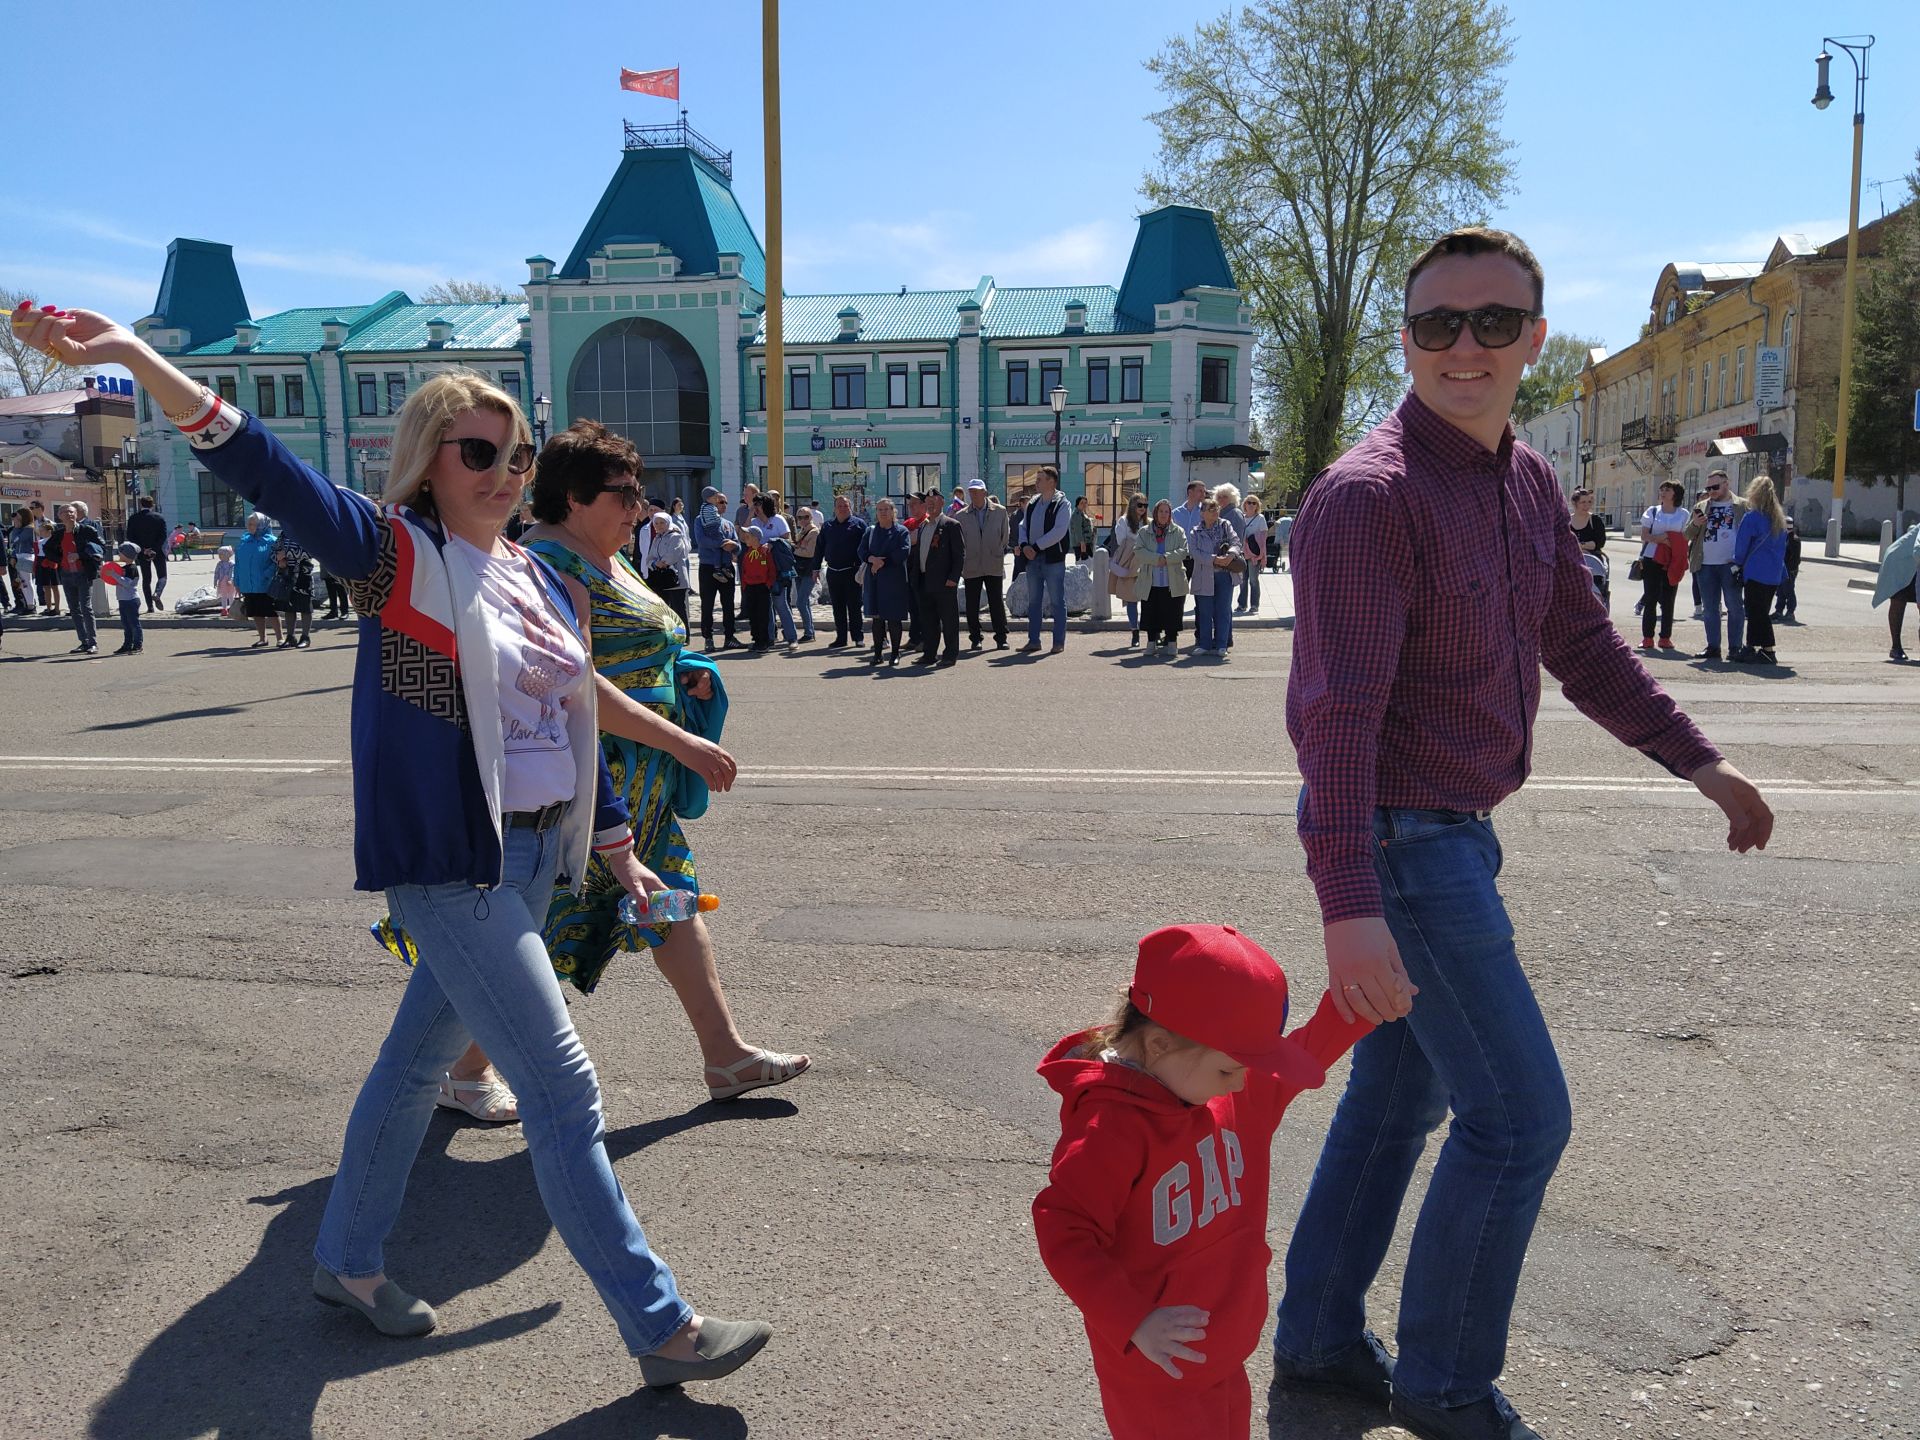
{"points": [[1432, 579]]}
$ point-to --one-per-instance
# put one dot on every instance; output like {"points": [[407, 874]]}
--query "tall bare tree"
{"points": [[24, 371], [1334, 141], [464, 292]]}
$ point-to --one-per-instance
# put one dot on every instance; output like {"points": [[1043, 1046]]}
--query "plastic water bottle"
{"points": [[667, 905]]}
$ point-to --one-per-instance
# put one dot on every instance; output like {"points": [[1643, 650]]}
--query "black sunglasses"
{"points": [[629, 494], [482, 455], [1494, 326]]}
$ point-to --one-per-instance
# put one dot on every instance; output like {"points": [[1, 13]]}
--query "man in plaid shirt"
{"points": [[1434, 573]]}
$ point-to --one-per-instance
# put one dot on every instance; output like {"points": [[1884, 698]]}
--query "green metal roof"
{"points": [[393, 323], [291, 332], [200, 291], [889, 316], [1042, 310], [670, 195], [1175, 249]]}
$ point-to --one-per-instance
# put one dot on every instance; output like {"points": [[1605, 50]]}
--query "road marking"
{"points": [[893, 776], [230, 769], [145, 760]]}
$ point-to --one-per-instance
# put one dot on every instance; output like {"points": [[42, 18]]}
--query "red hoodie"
{"points": [[1152, 1201]]}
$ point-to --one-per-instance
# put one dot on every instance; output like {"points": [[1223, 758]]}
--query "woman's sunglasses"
{"points": [[1494, 326], [481, 456], [629, 494]]}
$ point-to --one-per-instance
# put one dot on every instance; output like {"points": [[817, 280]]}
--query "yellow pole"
{"points": [[1846, 347], [776, 306]]}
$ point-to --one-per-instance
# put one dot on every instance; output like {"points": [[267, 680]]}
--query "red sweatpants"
{"points": [[1170, 1411]]}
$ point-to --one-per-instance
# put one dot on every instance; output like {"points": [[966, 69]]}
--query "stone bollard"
{"points": [[1102, 609], [1886, 537]]}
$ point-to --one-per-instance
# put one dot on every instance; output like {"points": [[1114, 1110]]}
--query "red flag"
{"points": [[652, 82]]}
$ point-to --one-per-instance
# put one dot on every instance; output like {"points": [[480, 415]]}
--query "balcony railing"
{"points": [[660, 137], [1646, 432]]}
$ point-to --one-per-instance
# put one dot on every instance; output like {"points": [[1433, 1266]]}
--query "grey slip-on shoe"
{"points": [[393, 1311], [723, 1347]]}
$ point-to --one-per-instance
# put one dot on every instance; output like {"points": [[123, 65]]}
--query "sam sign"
{"points": [[1769, 377]]}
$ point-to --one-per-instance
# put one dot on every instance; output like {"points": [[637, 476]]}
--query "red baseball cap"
{"points": [[1213, 985]]}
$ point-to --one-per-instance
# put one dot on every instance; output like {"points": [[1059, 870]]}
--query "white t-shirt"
{"points": [[1716, 541], [543, 668], [773, 527], [1658, 522]]}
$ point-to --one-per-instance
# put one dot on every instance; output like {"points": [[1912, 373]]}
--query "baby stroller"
{"points": [[1601, 572]]}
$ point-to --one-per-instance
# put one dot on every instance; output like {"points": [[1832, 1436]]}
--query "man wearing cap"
{"points": [[717, 543], [1434, 574], [984, 524]]}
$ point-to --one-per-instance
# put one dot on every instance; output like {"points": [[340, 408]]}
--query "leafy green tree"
{"points": [[1334, 142], [1555, 376], [24, 371], [1881, 441]]}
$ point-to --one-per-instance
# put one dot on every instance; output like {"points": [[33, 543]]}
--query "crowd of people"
{"points": [[1741, 554]]}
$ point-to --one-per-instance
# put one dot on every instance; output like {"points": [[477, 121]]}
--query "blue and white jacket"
{"points": [[429, 758]]}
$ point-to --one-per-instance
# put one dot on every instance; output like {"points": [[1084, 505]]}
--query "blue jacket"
{"points": [[429, 761], [253, 561], [782, 560], [839, 547], [711, 530], [1759, 551], [885, 592]]}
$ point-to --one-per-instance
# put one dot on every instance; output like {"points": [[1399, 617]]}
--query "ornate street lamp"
{"points": [[1057, 398], [1822, 98], [1113, 433], [542, 417], [746, 458]]}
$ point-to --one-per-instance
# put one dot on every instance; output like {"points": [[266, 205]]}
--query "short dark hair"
{"points": [[1582, 492], [146, 502], [1193, 485], [575, 466], [1046, 470], [1482, 240], [1679, 491], [767, 505]]}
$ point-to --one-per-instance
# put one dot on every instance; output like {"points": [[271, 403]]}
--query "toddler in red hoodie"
{"points": [[1154, 1218]]}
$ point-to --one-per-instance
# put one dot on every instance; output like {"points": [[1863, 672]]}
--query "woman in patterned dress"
{"points": [[585, 494]]}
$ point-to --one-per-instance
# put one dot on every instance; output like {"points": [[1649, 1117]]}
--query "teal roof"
{"points": [[1175, 249], [392, 323], [1042, 310], [670, 195], [200, 291], [935, 314]]}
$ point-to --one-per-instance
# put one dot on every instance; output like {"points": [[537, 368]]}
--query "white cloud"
{"points": [[72, 286], [75, 222]]}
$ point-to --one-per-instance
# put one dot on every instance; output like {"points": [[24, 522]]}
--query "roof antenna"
{"points": [[903, 289]]}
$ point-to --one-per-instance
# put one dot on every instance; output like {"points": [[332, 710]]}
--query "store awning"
{"points": [[1769, 444], [1226, 452]]}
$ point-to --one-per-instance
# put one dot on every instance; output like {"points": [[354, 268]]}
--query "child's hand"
{"points": [[1163, 1336]]}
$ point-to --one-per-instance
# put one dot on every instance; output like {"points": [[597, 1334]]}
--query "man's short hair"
{"points": [[1482, 240], [1193, 485], [146, 502], [1721, 473], [1046, 472]]}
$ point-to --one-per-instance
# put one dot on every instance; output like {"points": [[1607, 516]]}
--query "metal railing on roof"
{"points": [[660, 137]]}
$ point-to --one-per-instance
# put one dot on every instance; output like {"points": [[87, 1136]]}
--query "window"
{"points": [[373, 482], [800, 483], [510, 382], [1213, 380], [369, 395], [1740, 375], [903, 480], [1097, 389], [263, 392], [396, 393], [220, 508], [1107, 497], [227, 388], [896, 387], [1706, 386], [1020, 484], [930, 385], [1049, 380], [1786, 344], [800, 388], [1721, 393], [849, 387], [1017, 383], [146, 407], [1689, 392], [296, 388], [643, 380], [1131, 389], [760, 392]]}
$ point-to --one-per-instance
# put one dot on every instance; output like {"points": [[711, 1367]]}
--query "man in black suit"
{"points": [[147, 528], [938, 555]]}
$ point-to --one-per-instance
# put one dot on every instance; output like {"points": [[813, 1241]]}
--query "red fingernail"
{"points": [[46, 307]]}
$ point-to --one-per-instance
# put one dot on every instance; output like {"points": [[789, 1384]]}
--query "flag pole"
{"points": [[776, 330]]}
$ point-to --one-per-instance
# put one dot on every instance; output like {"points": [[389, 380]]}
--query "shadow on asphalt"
{"points": [[212, 710], [1301, 1415], [253, 1358]]}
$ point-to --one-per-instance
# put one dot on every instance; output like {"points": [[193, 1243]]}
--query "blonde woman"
{"points": [[1760, 557], [465, 640], [1120, 571]]}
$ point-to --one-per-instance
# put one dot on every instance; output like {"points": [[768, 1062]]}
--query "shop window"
{"points": [[800, 389], [1017, 383], [1097, 386], [905, 480], [849, 387], [896, 387], [263, 396], [220, 507], [1214, 380], [1108, 490], [1021, 485], [930, 385], [227, 388], [369, 395], [1049, 380], [1132, 390], [396, 393], [296, 394], [373, 482], [510, 382]]}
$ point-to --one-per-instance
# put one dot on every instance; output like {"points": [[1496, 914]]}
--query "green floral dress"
{"points": [[637, 641]]}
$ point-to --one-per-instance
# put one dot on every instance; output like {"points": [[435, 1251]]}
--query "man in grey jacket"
{"points": [[984, 523]]}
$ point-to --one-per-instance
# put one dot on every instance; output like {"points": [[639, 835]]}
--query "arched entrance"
{"points": [[641, 379]]}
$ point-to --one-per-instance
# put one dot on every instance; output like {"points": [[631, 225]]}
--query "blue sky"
{"points": [[352, 148]]}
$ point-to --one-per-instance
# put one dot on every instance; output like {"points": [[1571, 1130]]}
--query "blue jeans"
{"points": [[1047, 579], [132, 636], [484, 975], [803, 601], [1474, 1043], [783, 609], [1213, 616], [1249, 597], [80, 607], [1717, 584]]}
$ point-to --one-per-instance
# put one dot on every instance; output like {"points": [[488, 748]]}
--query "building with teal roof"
{"points": [[655, 326]]}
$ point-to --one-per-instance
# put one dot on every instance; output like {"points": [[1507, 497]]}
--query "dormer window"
{"points": [[1672, 310]]}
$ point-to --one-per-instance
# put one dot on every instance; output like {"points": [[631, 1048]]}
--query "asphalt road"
{"points": [[927, 878]]}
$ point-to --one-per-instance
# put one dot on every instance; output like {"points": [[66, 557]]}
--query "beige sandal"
{"points": [[775, 1069], [487, 1098]]}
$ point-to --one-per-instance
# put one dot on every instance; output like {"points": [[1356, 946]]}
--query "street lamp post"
{"points": [[746, 456], [1823, 97], [858, 488], [1146, 476], [1057, 398], [1113, 433], [542, 417]]}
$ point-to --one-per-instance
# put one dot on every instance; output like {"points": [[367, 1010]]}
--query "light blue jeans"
{"points": [[1213, 615], [484, 975], [783, 610], [1049, 580], [1476, 1044], [1249, 597], [1716, 585], [803, 601]]}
